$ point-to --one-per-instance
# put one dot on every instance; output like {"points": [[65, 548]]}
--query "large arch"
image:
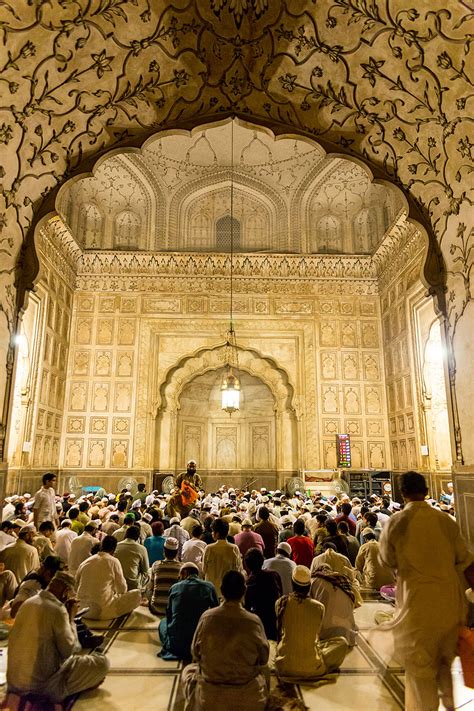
{"points": [[213, 359]]}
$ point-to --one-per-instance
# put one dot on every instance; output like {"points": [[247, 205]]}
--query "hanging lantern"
{"points": [[230, 392]]}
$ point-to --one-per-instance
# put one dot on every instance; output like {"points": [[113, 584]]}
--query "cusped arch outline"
{"points": [[206, 359]]}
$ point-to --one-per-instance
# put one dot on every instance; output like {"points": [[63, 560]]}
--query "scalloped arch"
{"points": [[252, 362]]}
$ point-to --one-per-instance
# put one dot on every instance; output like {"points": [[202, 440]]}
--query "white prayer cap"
{"points": [[173, 520], [171, 544], [301, 575], [284, 546]]}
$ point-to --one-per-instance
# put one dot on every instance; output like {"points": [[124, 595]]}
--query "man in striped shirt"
{"points": [[164, 574]]}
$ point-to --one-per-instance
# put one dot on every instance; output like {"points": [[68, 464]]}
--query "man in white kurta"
{"points": [[425, 546], [43, 647], [101, 585]]}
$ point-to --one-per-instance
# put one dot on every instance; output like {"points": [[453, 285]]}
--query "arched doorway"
{"points": [[260, 442], [221, 444]]}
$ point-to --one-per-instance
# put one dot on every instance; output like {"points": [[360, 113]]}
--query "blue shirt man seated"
{"points": [[188, 599]]}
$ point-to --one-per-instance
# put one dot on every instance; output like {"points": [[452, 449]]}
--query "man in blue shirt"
{"points": [[188, 599]]}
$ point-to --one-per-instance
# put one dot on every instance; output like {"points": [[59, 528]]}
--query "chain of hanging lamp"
{"points": [[230, 388]]}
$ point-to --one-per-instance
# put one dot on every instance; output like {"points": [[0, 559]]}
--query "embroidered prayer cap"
{"points": [[301, 575], [171, 544], [284, 546], [173, 520]]}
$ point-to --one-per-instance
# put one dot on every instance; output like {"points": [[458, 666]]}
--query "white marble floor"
{"points": [[141, 681]]}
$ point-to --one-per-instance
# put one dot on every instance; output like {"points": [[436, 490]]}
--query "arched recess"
{"points": [[250, 361]]}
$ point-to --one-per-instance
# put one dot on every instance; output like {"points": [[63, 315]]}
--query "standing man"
{"points": [[44, 505], [425, 546]]}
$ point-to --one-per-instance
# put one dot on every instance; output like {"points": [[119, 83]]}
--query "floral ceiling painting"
{"points": [[387, 81]]}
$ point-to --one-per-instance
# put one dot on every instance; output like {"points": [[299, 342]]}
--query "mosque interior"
{"points": [[341, 130]]}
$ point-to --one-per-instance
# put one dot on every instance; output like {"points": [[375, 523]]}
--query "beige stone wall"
{"points": [[46, 327], [402, 367]]}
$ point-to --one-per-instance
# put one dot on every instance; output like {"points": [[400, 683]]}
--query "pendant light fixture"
{"points": [[230, 388]]}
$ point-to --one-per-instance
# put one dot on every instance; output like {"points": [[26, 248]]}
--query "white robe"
{"points": [[426, 548]]}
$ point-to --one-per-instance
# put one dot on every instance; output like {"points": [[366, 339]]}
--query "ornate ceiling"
{"points": [[288, 195]]}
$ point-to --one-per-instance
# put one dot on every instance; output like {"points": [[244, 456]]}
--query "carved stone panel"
{"points": [[126, 332], [403, 454], [395, 456], [105, 331], [128, 305], [352, 400], [123, 397], [261, 446], [161, 305], [357, 454], [330, 455], [330, 398], [328, 333], [78, 397], [98, 425], [107, 304], [100, 397], [119, 453], [76, 425], [376, 452], [412, 458], [73, 452], [124, 365], [368, 308], [80, 364], [84, 331], [410, 422], [349, 334], [350, 366], [375, 428], [370, 337], [401, 424], [120, 425], [353, 427], [85, 303], [373, 400], [96, 453], [103, 362], [329, 365], [226, 447], [331, 427], [192, 436], [371, 366]]}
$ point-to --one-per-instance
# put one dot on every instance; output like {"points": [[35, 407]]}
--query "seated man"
{"points": [[64, 537], [51, 666], [164, 574], [34, 582], [101, 585], [193, 550], [283, 565], [22, 557], [155, 544], [335, 591], [230, 653], [301, 545], [372, 571], [300, 654], [133, 558], [221, 556], [188, 599], [263, 590], [82, 546], [44, 540]]}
